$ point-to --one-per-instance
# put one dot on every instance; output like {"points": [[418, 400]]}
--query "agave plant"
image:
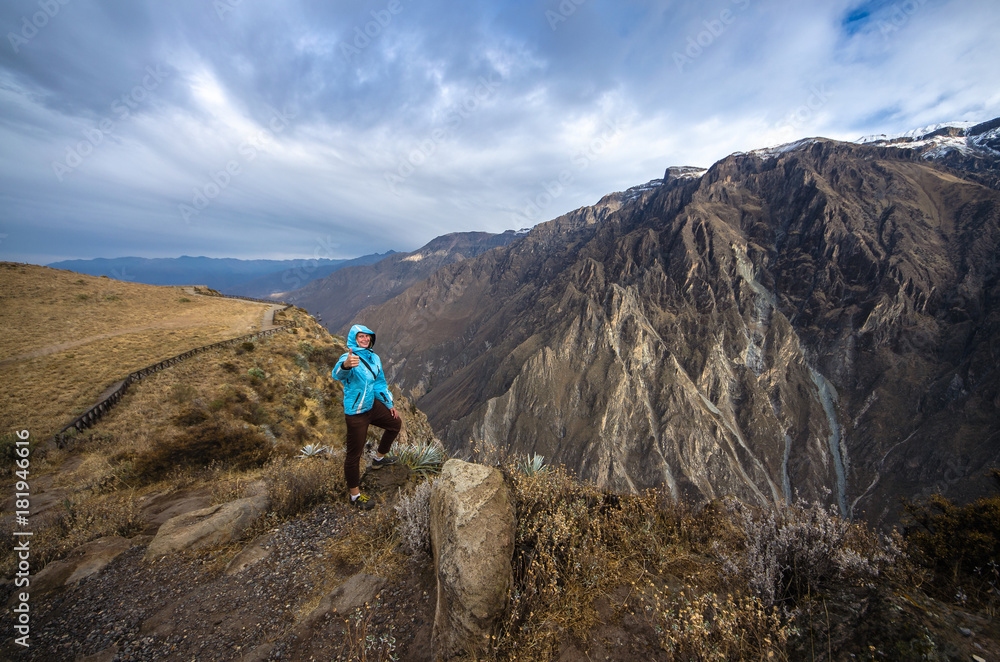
{"points": [[312, 450], [533, 465], [421, 458]]}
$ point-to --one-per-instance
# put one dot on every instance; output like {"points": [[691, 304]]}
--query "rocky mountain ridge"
{"points": [[817, 320], [338, 297]]}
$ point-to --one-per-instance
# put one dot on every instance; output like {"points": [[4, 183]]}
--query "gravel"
{"points": [[184, 607]]}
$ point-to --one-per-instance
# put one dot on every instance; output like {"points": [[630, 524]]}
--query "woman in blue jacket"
{"points": [[367, 401]]}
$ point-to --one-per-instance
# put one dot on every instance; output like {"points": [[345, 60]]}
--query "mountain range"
{"points": [[254, 278], [337, 298], [814, 320]]}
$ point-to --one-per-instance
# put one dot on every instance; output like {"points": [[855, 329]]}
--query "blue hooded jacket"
{"points": [[364, 382]]}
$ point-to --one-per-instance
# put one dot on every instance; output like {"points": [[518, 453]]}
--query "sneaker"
{"points": [[384, 462], [361, 503]]}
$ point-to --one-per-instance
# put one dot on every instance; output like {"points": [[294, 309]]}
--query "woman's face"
{"points": [[363, 340]]}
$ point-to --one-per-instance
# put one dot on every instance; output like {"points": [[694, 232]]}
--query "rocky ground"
{"points": [[285, 596], [292, 593]]}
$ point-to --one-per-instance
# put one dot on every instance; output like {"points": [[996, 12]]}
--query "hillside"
{"points": [[68, 336], [814, 319], [299, 575]]}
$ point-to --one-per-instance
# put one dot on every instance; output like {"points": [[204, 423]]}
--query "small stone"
{"points": [[966, 631]]}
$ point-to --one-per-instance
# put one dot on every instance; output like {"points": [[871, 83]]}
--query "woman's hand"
{"points": [[394, 414], [351, 361]]}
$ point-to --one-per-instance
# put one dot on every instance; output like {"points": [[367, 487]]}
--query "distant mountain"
{"points": [[816, 319], [340, 296], [276, 284], [224, 274]]}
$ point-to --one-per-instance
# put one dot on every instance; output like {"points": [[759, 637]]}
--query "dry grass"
{"points": [[91, 332], [231, 421]]}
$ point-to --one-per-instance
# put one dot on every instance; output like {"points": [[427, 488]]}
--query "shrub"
{"points": [[8, 451], [181, 393], [414, 512], [297, 486], [960, 544], [240, 447], [708, 627], [326, 356], [792, 550], [191, 416], [84, 519]]}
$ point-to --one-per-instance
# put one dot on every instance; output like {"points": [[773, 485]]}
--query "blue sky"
{"points": [[232, 128]]}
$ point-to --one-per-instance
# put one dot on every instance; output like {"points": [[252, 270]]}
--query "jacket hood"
{"points": [[352, 338]]}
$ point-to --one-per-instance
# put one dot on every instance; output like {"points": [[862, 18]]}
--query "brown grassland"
{"points": [[92, 332]]}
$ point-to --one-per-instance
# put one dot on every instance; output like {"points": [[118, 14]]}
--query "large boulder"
{"points": [[472, 535], [214, 525]]}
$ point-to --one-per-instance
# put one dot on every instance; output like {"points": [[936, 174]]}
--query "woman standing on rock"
{"points": [[367, 401]]}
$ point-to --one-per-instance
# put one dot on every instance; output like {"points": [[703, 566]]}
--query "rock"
{"points": [[160, 507], [105, 655], [82, 562], [353, 593], [472, 535], [253, 554], [209, 526]]}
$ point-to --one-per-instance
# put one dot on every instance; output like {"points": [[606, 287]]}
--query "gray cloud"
{"points": [[259, 129]]}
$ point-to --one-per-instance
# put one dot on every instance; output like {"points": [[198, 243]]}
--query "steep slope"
{"points": [[816, 320], [338, 297]]}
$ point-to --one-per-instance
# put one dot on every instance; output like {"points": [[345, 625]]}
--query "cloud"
{"points": [[259, 129]]}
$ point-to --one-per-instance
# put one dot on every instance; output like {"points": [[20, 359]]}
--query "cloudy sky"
{"points": [[336, 128]]}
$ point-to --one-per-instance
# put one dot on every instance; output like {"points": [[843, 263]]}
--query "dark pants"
{"points": [[357, 430]]}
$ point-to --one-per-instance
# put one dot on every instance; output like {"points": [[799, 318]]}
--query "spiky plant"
{"points": [[313, 450], [533, 465], [421, 458]]}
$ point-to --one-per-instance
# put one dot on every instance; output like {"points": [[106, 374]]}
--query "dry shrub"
{"points": [[791, 551], [573, 543], [213, 441], [716, 629], [372, 545], [326, 356], [961, 545], [296, 485], [83, 519], [414, 512], [362, 641]]}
